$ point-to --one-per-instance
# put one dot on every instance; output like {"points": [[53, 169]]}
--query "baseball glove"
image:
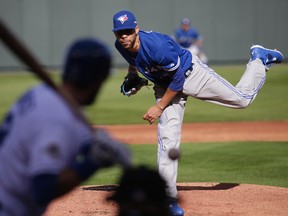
{"points": [[132, 82]]}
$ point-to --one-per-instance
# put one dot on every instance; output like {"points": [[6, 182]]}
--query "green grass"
{"points": [[114, 108], [270, 104], [263, 163]]}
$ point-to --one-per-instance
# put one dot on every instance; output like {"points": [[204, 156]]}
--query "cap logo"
{"points": [[123, 18]]}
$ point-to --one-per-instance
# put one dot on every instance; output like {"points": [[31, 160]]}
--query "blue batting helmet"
{"points": [[87, 61]]}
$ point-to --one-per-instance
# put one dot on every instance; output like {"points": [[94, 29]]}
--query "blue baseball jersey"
{"points": [[186, 38], [160, 59]]}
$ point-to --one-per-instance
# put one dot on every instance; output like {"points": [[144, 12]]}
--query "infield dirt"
{"points": [[215, 199]]}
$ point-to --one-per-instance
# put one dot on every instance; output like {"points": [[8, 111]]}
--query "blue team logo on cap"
{"points": [[123, 18]]}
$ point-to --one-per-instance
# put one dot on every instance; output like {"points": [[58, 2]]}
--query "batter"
{"points": [[177, 74], [45, 150]]}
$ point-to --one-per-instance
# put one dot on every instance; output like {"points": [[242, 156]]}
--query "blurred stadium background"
{"points": [[229, 27]]}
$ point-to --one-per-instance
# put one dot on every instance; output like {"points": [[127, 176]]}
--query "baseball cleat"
{"points": [[267, 56], [175, 209]]}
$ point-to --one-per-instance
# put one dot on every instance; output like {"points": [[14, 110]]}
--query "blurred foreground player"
{"points": [[45, 150], [141, 193]]}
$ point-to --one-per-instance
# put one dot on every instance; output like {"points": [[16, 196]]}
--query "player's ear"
{"points": [[137, 29]]}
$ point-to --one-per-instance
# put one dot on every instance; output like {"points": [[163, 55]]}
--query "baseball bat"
{"points": [[27, 58]]}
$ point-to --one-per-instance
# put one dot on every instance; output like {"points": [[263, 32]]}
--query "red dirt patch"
{"points": [[206, 132], [195, 198], [225, 199]]}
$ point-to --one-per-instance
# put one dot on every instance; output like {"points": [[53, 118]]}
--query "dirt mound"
{"points": [[217, 199]]}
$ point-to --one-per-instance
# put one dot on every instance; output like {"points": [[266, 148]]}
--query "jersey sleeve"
{"points": [[169, 59]]}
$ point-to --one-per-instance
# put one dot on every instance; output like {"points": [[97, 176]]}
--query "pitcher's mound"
{"points": [[225, 199]]}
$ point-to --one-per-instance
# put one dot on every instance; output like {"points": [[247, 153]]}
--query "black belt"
{"points": [[189, 71]]}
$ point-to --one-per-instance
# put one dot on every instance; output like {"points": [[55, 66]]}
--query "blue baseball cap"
{"points": [[87, 61], [186, 21], [124, 20]]}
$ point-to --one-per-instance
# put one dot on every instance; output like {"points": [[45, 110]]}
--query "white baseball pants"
{"points": [[205, 84]]}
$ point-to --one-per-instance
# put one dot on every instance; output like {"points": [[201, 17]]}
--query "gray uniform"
{"points": [[159, 58], [202, 83]]}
